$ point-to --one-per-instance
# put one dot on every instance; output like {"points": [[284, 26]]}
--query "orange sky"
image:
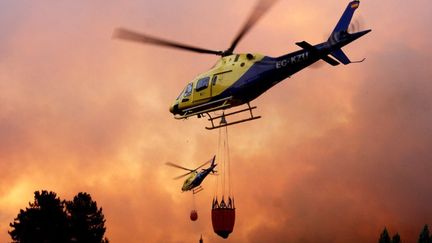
{"points": [[340, 152]]}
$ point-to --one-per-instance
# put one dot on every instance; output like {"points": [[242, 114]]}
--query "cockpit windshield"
{"points": [[180, 95], [187, 91]]}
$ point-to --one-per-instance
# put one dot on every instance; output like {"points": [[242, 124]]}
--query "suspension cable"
{"points": [[228, 162]]}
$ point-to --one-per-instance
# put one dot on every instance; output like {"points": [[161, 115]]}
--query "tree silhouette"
{"points": [[384, 237], [50, 220], [44, 221], [424, 236], [86, 220], [396, 238]]}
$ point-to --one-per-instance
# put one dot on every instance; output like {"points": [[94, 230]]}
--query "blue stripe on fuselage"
{"points": [[252, 82], [268, 72]]}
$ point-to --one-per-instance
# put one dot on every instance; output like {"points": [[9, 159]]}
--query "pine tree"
{"points": [[424, 236], [44, 221], [384, 237], [50, 220], [86, 220], [396, 238]]}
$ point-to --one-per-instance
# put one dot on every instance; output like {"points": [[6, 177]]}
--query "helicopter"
{"points": [[193, 182], [238, 78]]}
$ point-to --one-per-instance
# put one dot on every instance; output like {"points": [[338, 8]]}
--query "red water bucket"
{"points": [[223, 217], [193, 215]]}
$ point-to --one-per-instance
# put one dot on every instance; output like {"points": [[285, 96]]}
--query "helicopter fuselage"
{"points": [[240, 78], [196, 178]]}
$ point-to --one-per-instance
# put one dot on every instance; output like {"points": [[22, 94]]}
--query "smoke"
{"points": [[339, 153]]}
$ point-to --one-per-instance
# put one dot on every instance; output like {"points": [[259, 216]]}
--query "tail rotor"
{"points": [[356, 25]]}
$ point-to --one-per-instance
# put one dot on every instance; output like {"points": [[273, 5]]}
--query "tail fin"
{"points": [[345, 20], [341, 31], [340, 56]]}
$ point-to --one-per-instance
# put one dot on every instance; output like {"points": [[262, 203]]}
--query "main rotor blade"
{"points": [[181, 176], [203, 164], [260, 8], [178, 166], [125, 34]]}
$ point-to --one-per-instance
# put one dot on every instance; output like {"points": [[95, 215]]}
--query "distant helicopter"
{"points": [[193, 182], [237, 79]]}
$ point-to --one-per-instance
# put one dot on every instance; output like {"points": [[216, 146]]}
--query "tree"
{"points": [[86, 220], [424, 236], [396, 238], [50, 220], [44, 221], [384, 237]]}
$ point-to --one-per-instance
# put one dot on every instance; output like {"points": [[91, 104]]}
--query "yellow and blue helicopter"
{"points": [[237, 79], [193, 182]]}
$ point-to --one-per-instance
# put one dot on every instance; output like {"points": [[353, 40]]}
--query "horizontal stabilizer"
{"points": [[330, 60], [313, 50], [340, 56], [306, 46]]}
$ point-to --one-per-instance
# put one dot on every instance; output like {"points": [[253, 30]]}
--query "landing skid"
{"points": [[197, 189], [202, 109], [224, 123]]}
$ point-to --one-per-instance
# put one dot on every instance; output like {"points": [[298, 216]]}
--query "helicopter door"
{"points": [[203, 89]]}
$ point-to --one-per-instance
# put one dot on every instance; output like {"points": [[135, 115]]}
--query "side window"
{"points": [[202, 84], [188, 90]]}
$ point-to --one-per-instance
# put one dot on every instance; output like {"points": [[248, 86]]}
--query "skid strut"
{"points": [[224, 123], [197, 189]]}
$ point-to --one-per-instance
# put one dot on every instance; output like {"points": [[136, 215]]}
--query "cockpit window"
{"points": [[202, 84], [188, 90], [180, 95]]}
